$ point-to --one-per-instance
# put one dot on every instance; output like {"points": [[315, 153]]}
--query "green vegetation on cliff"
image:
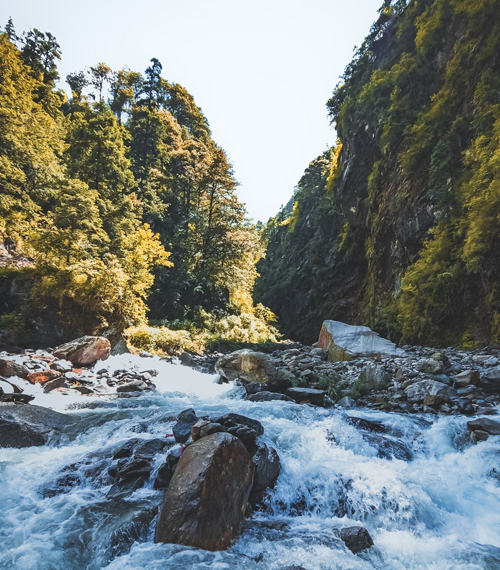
{"points": [[119, 203], [399, 228]]}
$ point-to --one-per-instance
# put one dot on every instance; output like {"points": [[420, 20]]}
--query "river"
{"points": [[439, 511]]}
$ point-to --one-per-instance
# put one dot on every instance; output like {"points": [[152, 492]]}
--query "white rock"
{"points": [[345, 342]]}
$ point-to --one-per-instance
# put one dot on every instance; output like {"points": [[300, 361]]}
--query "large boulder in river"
{"points": [[23, 425], [207, 496], [247, 365], [491, 427], [85, 350], [345, 342], [429, 390]]}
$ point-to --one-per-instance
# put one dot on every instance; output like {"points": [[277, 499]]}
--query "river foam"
{"points": [[440, 511]]}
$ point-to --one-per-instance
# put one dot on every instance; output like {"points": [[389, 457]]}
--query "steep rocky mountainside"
{"points": [[397, 227]]}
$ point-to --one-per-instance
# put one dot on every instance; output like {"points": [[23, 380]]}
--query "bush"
{"points": [[248, 328], [332, 386]]}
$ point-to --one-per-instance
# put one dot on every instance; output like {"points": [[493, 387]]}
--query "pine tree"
{"points": [[11, 31], [97, 156]]}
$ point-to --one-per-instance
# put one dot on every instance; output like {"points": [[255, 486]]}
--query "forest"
{"points": [[397, 225], [117, 209], [121, 212]]}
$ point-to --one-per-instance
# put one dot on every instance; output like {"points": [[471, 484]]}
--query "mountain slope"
{"points": [[399, 228]]}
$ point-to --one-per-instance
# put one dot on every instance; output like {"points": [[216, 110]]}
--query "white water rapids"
{"points": [[440, 511]]}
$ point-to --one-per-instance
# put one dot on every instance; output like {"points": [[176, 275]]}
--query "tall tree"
{"points": [[98, 76], [125, 85], [97, 156], [11, 31], [31, 142], [77, 82]]}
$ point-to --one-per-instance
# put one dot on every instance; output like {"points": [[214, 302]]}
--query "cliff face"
{"points": [[398, 227]]}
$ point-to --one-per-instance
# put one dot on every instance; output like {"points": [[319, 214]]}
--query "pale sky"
{"points": [[261, 71]]}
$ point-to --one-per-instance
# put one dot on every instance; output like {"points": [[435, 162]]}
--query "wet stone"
{"points": [[268, 397], [133, 468], [185, 422], [388, 448], [245, 429], [307, 395], [368, 425], [205, 502], [485, 424], [267, 469], [356, 538], [166, 470], [126, 449]]}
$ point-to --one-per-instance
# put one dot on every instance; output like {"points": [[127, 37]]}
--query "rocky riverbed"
{"points": [[414, 484], [424, 380]]}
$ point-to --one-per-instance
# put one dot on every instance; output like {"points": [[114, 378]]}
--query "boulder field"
{"points": [[353, 367], [70, 368]]}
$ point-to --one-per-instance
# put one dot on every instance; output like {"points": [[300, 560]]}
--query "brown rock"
{"points": [[433, 400], [84, 351], [196, 429], [43, 377], [207, 496], [204, 428], [9, 368], [53, 384], [467, 377]]}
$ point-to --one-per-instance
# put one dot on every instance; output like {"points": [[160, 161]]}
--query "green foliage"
{"points": [[413, 225], [12, 325], [96, 191], [252, 328], [294, 218], [358, 389], [30, 147], [332, 386]]}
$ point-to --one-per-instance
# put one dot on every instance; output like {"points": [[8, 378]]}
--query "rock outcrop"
{"points": [[206, 500], [345, 342]]}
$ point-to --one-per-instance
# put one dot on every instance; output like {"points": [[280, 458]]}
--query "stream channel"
{"points": [[438, 511]]}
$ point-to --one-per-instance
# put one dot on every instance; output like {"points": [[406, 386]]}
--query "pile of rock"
{"points": [[411, 379], [264, 380], [223, 471], [68, 369]]}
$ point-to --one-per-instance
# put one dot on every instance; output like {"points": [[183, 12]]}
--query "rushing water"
{"points": [[440, 511]]}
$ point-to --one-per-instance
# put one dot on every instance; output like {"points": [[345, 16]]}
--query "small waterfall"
{"points": [[438, 511]]}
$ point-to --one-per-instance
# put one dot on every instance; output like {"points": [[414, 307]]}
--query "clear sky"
{"points": [[261, 71]]}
